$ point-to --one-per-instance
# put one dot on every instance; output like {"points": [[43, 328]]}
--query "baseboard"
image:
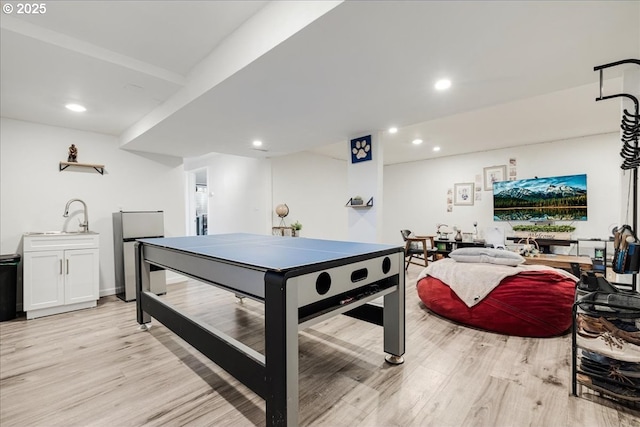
{"points": [[107, 292], [173, 278]]}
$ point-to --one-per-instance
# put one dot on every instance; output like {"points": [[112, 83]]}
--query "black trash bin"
{"points": [[8, 286]]}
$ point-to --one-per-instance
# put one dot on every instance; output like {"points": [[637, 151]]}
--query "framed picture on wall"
{"points": [[361, 149], [494, 174], [463, 194]]}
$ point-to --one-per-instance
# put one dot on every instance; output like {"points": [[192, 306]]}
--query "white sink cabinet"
{"points": [[61, 273]]}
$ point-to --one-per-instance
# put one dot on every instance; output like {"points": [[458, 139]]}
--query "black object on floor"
{"points": [[8, 286]]}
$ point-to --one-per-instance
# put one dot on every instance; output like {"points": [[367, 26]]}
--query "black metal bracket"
{"points": [[365, 205], [630, 134], [98, 168], [601, 68]]}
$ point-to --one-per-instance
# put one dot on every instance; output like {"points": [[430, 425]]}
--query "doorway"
{"points": [[202, 202], [198, 203]]}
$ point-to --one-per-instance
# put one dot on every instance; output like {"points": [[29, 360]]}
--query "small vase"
{"points": [[458, 236]]}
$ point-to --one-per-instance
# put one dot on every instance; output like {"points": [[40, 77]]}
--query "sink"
{"points": [[59, 240], [56, 233]]}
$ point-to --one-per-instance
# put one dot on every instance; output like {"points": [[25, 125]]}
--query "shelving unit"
{"points": [[98, 168], [445, 247], [605, 348], [364, 205], [284, 231], [600, 250]]}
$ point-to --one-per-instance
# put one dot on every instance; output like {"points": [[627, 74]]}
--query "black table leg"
{"points": [[143, 283], [281, 350]]}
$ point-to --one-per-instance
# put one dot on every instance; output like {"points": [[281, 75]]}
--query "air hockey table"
{"points": [[300, 281]]}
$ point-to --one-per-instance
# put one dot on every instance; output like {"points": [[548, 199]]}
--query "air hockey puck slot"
{"points": [[386, 265], [328, 304], [323, 283], [359, 275]]}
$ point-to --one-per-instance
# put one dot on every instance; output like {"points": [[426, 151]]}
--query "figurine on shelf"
{"points": [[73, 154], [458, 237]]}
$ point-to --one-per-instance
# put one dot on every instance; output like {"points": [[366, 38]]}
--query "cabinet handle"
{"points": [[67, 266], [60, 266]]}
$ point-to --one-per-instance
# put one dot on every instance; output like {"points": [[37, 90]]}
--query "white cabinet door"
{"points": [[81, 275], [43, 279]]}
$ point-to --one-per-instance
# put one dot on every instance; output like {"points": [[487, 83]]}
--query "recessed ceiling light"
{"points": [[443, 84], [416, 142], [76, 108], [436, 148], [393, 130], [257, 143]]}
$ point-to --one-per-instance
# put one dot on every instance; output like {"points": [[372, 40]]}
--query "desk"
{"points": [[545, 244], [446, 246], [574, 264], [300, 281]]}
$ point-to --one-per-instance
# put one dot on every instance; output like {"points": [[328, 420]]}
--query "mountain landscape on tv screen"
{"points": [[562, 198]]}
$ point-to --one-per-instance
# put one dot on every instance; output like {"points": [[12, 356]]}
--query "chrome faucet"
{"points": [[84, 225]]}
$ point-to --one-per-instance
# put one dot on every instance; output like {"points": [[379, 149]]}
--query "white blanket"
{"points": [[472, 282]]}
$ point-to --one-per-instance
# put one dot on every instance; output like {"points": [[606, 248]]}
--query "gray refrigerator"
{"points": [[127, 227]]}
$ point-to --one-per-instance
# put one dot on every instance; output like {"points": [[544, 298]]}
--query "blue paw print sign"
{"points": [[361, 149]]}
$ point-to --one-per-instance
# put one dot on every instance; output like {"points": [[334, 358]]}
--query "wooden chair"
{"points": [[418, 247]]}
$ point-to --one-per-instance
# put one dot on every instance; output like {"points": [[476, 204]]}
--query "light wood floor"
{"points": [[95, 368]]}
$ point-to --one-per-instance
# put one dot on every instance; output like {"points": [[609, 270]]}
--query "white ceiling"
{"points": [[186, 78]]}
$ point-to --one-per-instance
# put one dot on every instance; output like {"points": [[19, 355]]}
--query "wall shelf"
{"points": [[98, 168], [364, 205]]}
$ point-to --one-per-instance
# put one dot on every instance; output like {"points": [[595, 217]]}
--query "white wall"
{"points": [[415, 193], [239, 193], [34, 192], [315, 189], [246, 190], [365, 180]]}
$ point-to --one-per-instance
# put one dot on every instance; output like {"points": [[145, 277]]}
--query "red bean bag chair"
{"points": [[534, 303]]}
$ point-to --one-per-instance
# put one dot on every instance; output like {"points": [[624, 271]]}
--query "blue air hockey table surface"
{"points": [[300, 281]]}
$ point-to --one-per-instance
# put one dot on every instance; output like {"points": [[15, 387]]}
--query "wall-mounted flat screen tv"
{"points": [[557, 198]]}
